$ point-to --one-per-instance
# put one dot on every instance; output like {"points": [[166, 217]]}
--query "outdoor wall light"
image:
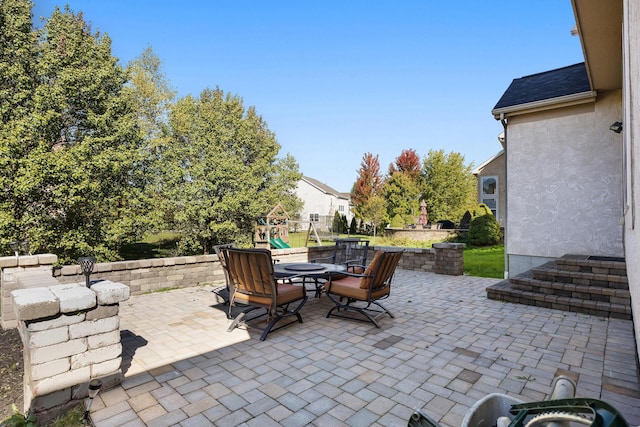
{"points": [[616, 127], [86, 264], [94, 389]]}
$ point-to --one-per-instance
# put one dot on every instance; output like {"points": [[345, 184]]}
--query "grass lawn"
{"points": [[484, 261]]}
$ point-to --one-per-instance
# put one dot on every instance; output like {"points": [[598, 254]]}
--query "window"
{"points": [[340, 208], [489, 193], [314, 217]]}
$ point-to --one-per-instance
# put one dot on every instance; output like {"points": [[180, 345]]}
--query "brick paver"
{"points": [[447, 347]]}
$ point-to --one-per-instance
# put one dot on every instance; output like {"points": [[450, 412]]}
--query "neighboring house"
{"points": [[573, 184], [491, 188], [321, 202]]}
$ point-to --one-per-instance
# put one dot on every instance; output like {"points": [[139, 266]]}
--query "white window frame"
{"points": [[495, 196]]}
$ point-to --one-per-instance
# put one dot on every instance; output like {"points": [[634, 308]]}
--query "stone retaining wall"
{"points": [[71, 336], [162, 273], [449, 258]]}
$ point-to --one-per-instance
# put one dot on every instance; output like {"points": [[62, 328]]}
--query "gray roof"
{"points": [[325, 188], [548, 85]]}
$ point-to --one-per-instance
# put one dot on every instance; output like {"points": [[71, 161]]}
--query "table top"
{"points": [[307, 269]]}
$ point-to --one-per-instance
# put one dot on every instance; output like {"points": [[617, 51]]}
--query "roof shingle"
{"points": [[547, 85]]}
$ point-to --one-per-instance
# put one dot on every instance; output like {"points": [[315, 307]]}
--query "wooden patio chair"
{"points": [[352, 252], [252, 282], [358, 292]]}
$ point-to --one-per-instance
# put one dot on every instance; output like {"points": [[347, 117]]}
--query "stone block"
{"points": [[51, 400], [108, 367], [74, 297], [45, 338], [109, 292], [103, 340], [56, 322], [93, 327], [62, 381], [28, 260], [8, 261], [47, 259], [29, 304], [57, 351], [94, 356], [50, 369], [70, 270], [103, 311]]}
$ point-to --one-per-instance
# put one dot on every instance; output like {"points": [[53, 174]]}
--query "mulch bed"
{"points": [[11, 371]]}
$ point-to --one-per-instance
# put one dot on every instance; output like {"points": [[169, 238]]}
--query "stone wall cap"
{"points": [[449, 245], [35, 303], [109, 292], [8, 261], [26, 260], [74, 297], [46, 259]]}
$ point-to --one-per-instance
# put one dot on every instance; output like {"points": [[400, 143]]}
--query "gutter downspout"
{"points": [[504, 122]]}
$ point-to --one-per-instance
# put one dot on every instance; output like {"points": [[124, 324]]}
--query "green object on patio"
{"points": [[278, 243]]}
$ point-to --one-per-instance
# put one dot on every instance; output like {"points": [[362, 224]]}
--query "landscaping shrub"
{"points": [[484, 230], [397, 221]]}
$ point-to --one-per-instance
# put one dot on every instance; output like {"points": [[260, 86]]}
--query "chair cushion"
{"points": [[286, 294], [350, 287], [371, 268]]}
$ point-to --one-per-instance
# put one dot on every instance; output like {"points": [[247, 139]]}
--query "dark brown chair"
{"points": [[352, 252], [252, 282], [223, 291], [357, 292]]}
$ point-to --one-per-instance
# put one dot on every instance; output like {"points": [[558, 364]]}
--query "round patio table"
{"points": [[317, 272]]}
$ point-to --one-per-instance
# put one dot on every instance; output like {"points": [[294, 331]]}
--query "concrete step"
{"points": [[549, 272], [503, 291]]}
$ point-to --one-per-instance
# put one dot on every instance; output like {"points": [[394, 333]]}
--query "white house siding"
{"points": [[318, 202], [631, 123], [574, 203]]}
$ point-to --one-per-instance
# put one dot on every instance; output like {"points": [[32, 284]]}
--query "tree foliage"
{"points": [[401, 194], [407, 162], [221, 170], [449, 186], [73, 179], [368, 184]]}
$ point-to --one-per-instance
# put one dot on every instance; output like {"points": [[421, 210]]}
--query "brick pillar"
{"points": [[449, 258], [71, 336]]}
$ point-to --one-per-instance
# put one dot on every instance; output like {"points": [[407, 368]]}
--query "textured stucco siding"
{"points": [[565, 181]]}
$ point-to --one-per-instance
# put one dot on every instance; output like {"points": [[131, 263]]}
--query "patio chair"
{"points": [[351, 252], [252, 282], [358, 292], [223, 291]]}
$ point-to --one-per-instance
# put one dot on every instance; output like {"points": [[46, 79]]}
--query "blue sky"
{"points": [[337, 79]]}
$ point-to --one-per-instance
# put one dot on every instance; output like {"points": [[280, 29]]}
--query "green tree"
{"points": [[221, 171], [75, 180], [18, 53], [401, 194], [449, 186], [374, 212]]}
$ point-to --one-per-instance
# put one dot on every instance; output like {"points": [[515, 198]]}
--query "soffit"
{"points": [[599, 24]]}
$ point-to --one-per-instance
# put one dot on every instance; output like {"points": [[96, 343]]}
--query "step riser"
{"points": [[597, 308], [571, 283]]}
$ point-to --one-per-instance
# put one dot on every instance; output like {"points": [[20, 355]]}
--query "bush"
{"points": [[484, 230], [397, 221]]}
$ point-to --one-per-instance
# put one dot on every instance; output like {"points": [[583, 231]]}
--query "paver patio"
{"points": [[448, 347]]}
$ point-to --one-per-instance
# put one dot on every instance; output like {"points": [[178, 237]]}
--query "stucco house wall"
{"points": [[494, 167], [573, 205]]}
